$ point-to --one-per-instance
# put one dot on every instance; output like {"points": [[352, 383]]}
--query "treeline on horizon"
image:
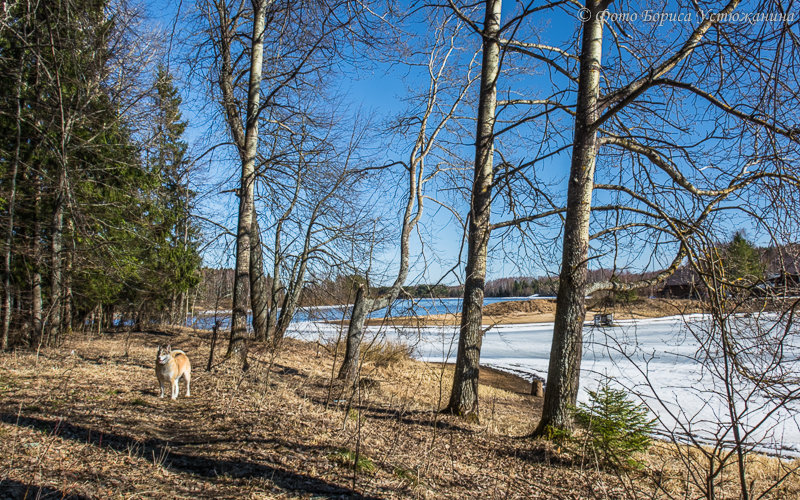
{"points": [[746, 262], [216, 289]]}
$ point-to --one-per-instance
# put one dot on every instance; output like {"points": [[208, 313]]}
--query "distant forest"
{"points": [[746, 261], [216, 288]]}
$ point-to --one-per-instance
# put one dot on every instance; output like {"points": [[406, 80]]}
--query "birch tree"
{"points": [[487, 177], [301, 41], [630, 108], [244, 130], [464, 395]]}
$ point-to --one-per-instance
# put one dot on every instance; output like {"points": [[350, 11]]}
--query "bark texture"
{"points": [[565, 354], [291, 298], [37, 315], [57, 257], [241, 278], [11, 213], [464, 394], [259, 298], [355, 329]]}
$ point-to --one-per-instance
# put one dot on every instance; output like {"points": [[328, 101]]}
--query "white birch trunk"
{"points": [[563, 372], [240, 287], [464, 394]]}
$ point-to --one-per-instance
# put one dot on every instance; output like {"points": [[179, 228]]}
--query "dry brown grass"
{"points": [[679, 467], [85, 421]]}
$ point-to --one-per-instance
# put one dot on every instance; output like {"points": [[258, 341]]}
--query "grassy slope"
{"points": [[85, 421]]}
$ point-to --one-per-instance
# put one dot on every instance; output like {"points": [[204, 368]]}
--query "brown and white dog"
{"points": [[170, 367]]}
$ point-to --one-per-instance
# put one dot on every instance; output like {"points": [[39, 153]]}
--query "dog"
{"points": [[170, 367]]}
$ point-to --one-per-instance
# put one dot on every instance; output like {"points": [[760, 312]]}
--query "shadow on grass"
{"points": [[422, 418], [10, 488], [181, 462]]}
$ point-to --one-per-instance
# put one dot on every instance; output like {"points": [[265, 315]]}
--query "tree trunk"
{"points": [[173, 309], [109, 317], [293, 293], [291, 298], [11, 212], [563, 373], [37, 315], [259, 299], [186, 311], [464, 394], [274, 299], [56, 254], [241, 278], [66, 316], [180, 315], [355, 333], [214, 331]]}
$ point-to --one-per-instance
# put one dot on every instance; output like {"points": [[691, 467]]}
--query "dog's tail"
{"points": [[178, 351]]}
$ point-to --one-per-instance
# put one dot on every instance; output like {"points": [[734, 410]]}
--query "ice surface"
{"points": [[655, 359]]}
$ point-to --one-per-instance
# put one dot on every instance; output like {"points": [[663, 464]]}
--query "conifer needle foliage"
{"points": [[617, 427]]}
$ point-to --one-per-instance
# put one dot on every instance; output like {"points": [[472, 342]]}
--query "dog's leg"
{"points": [[161, 386], [188, 377], [175, 389]]}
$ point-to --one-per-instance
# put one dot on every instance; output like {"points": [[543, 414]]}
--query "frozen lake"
{"points": [[401, 307], [654, 358]]}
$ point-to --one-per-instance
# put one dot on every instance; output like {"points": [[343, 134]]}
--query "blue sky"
{"points": [[377, 90]]}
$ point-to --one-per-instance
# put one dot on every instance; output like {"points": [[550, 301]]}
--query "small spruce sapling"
{"points": [[617, 427]]}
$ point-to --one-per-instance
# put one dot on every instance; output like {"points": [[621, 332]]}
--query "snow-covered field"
{"points": [[653, 358]]}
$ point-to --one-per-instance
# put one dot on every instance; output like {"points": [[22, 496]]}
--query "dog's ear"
{"points": [[169, 348], [159, 349]]}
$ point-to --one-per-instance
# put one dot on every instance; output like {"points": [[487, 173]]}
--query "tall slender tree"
{"points": [[669, 192], [446, 93], [464, 394], [171, 254]]}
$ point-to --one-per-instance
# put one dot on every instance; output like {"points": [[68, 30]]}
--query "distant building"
{"points": [[783, 271], [684, 283]]}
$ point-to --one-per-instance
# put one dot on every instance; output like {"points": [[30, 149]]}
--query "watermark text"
{"points": [[662, 18]]}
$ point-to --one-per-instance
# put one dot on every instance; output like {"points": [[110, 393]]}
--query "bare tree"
{"points": [[444, 95], [508, 189], [464, 396], [245, 134], [618, 118], [317, 213], [300, 38], [260, 299]]}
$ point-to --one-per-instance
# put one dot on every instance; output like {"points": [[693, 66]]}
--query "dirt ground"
{"points": [[85, 421], [543, 311]]}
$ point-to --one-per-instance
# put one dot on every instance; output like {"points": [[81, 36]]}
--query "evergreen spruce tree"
{"points": [[173, 261], [90, 225], [742, 261]]}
